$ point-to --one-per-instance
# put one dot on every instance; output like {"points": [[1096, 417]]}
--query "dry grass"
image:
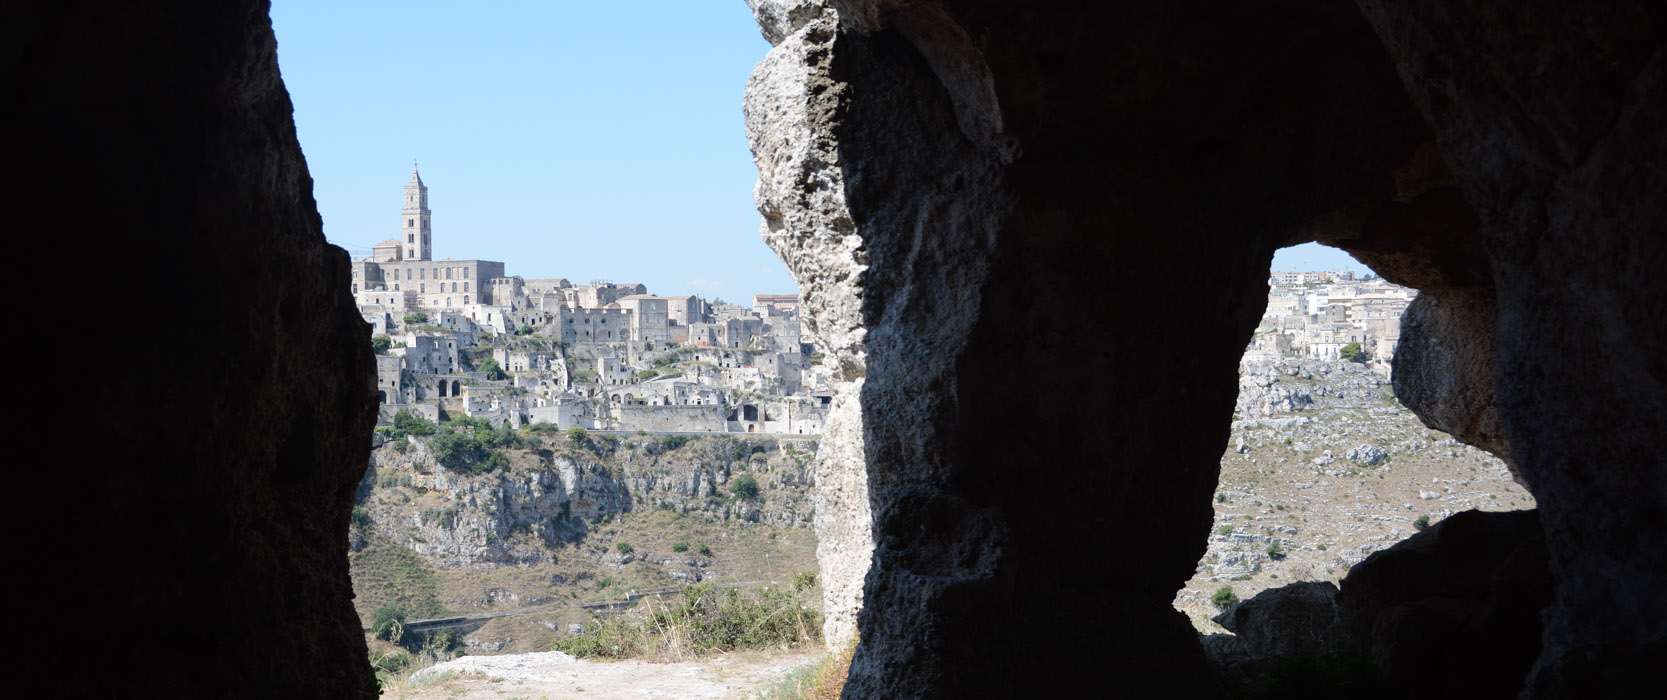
{"points": [[824, 680]]}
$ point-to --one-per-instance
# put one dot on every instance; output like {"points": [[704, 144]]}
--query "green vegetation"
{"points": [[1224, 530], [579, 437], [361, 518], [543, 428], [1224, 598], [408, 423], [1275, 552], [388, 622], [704, 621], [473, 446], [491, 369], [625, 548], [380, 344], [744, 487], [680, 547], [524, 330], [705, 551], [415, 317], [1421, 523], [1352, 352]]}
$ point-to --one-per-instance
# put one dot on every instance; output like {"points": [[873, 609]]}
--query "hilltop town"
{"points": [[464, 338]]}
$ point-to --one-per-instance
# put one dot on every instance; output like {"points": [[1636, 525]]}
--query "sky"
{"points": [[586, 140]]}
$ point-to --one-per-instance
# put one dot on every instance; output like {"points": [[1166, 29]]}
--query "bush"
{"points": [[625, 548], [1224, 598], [408, 423], [1421, 523], [380, 343], [578, 437], [388, 622], [462, 452], [524, 330], [704, 621], [542, 427], [415, 317], [361, 517], [491, 368], [705, 551], [744, 487], [392, 662], [680, 547], [1352, 352], [1275, 551], [1224, 530]]}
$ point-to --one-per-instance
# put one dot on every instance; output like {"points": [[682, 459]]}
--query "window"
{"points": [[410, 238], [409, 223]]}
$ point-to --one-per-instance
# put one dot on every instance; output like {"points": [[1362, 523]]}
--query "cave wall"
{"points": [[187, 465], [1060, 222], [1549, 118]]}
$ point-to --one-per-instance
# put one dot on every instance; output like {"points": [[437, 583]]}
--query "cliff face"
{"points": [[550, 496]]}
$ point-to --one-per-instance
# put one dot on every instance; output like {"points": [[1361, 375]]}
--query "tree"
{"points": [[492, 369], [1224, 598], [744, 487], [415, 317], [1352, 352], [380, 344]]}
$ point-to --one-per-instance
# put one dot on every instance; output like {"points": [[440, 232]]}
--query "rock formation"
{"points": [[1017, 177], [199, 447]]}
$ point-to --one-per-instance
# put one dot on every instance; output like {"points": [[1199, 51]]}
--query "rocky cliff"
{"points": [[553, 493]]}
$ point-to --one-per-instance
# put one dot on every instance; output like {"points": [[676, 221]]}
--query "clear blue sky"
{"points": [[588, 140], [574, 139], [1313, 257]]}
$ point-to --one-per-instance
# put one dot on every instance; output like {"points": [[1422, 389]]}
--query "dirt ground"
{"points": [[557, 675]]}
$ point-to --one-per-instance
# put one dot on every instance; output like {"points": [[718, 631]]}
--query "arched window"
{"points": [[454, 387], [381, 396]]}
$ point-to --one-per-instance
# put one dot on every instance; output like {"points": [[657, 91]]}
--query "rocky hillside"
{"points": [[1323, 468], [565, 519], [554, 491]]}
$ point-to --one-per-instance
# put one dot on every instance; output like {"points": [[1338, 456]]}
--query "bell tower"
{"points": [[415, 233]]}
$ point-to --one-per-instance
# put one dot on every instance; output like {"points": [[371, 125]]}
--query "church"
{"points": [[402, 273]]}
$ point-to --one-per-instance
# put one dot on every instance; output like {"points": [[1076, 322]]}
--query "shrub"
{"points": [[408, 423], [1352, 352], [1421, 523], [491, 368], [415, 317], [524, 330], [361, 517], [1224, 530], [1275, 551], [625, 548], [705, 551], [578, 437], [388, 622], [680, 547], [704, 621], [380, 343], [1224, 598], [542, 427], [462, 452], [392, 662], [744, 487]]}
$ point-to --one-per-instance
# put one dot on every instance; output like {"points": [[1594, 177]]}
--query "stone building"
{"points": [[407, 265]]}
